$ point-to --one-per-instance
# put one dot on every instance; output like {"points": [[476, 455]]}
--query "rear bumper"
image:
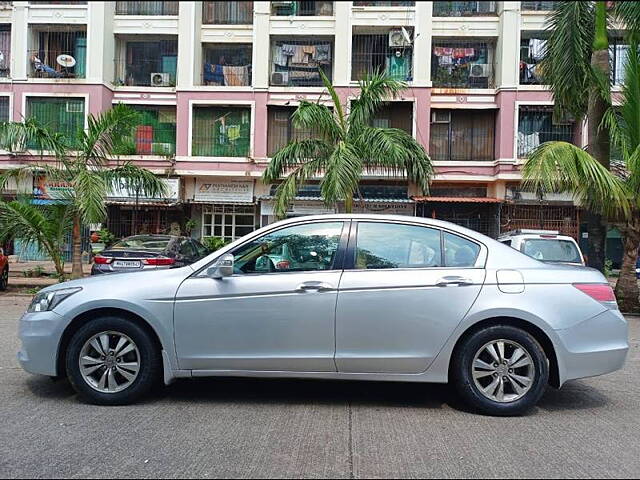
{"points": [[594, 347], [102, 269]]}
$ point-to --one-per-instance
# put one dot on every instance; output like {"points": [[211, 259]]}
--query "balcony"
{"points": [[227, 65], [147, 8], [462, 135], [395, 115], [227, 13], [5, 50], [373, 53], [618, 54], [297, 62], [281, 130], [155, 133], [538, 6], [146, 63], [532, 51], [536, 126], [463, 9], [462, 64], [221, 131], [304, 9], [58, 53], [61, 115]]}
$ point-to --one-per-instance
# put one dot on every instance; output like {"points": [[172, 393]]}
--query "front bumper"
{"points": [[594, 347], [40, 335]]}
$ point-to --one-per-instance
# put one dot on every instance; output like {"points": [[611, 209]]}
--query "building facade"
{"points": [[216, 83]]}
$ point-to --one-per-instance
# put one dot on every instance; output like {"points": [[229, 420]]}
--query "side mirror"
{"points": [[222, 268], [1, 252]]}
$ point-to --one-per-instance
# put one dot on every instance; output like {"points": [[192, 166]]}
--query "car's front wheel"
{"points": [[500, 370], [112, 361]]}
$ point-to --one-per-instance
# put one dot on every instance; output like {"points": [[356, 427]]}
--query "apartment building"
{"points": [[216, 83]]}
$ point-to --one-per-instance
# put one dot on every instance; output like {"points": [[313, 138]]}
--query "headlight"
{"points": [[46, 301]]}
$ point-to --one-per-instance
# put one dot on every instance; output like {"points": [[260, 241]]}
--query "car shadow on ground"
{"points": [[574, 396]]}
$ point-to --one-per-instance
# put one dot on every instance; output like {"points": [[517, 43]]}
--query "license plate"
{"points": [[126, 264]]}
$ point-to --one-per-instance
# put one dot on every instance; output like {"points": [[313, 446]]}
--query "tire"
{"points": [[125, 384], [517, 396], [4, 279]]}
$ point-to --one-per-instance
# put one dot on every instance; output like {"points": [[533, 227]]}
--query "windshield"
{"points": [[552, 250], [142, 242]]}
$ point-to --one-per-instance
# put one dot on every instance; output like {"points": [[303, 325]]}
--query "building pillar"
{"points": [[508, 47], [261, 45], [20, 42]]}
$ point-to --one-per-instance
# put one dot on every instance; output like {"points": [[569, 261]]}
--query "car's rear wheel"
{"points": [[500, 370], [112, 361], [4, 279]]}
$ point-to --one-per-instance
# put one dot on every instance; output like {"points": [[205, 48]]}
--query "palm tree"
{"points": [[82, 163], [561, 166], [345, 146], [45, 226]]}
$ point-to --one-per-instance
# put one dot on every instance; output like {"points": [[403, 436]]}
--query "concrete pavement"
{"points": [[241, 428]]}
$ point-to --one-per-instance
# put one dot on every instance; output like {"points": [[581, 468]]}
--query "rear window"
{"points": [[153, 244], [552, 250]]}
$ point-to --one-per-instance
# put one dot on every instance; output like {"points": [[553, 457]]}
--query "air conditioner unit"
{"points": [[163, 148], [160, 79], [74, 107], [399, 38], [480, 70], [280, 78], [440, 116]]}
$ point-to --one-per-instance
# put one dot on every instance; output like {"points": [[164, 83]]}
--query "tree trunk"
{"points": [[76, 236], [598, 135], [627, 291], [348, 204]]}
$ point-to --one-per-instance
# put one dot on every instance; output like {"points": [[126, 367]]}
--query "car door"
{"points": [[404, 290], [272, 314]]}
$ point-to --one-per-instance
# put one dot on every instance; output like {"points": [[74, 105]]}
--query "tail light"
{"points": [[283, 265], [601, 292], [100, 260], [159, 261]]}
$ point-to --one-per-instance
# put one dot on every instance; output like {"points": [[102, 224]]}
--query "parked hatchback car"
{"points": [[545, 245], [4, 270], [384, 298], [148, 252]]}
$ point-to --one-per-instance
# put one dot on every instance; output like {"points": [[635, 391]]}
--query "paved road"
{"points": [[255, 428]]}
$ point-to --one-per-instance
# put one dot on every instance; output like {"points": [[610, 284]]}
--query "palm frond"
{"points": [[375, 90], [628, 12], [319, 119], [563, 167], [89, 192], [18, 137], [287, 190], [343, 173], [294, 155], [337, 104]]}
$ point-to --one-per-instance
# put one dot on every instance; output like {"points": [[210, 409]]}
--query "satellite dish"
{"points": [[66, 61]]}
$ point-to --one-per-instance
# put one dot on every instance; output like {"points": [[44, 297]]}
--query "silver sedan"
{"points": [[355, 297]]}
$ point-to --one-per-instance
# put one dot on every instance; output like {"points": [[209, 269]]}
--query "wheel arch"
{"points": [[532, 329], [83, 317]]}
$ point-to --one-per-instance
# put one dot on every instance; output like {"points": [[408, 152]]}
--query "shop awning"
{"points": [[141, 203], [355, 200], [458, 199]]}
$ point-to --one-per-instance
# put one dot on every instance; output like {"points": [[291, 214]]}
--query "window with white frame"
{"points": [[228, 221]]}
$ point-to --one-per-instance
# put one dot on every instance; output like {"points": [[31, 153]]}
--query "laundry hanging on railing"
{"points": [[227, 75]]}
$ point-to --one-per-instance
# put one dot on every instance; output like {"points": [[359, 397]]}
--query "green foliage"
{"points": [[106, 237], [608, 268], [190, 225], [214, 243]]}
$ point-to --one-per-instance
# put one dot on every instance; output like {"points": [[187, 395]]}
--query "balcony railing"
{"points": [[227, 13], [147, 8], [373, 53], [538, 6], [462, 64], [227, 65], [463, 9], [537, 126], [305, 8], [532, 51], [297, 62], [384, 4], [60, 55], [221, 131], [155, 133], [147, 64], [56, 2], [462, 135]]}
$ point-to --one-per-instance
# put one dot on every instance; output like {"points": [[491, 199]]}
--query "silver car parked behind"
{"points": [[369, 298]]}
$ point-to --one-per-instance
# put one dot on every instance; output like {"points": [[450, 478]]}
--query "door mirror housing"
{"points": [[222, 268]]}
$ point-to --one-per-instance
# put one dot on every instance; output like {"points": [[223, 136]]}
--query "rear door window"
{"points": [[459, 252], [552, 250]]}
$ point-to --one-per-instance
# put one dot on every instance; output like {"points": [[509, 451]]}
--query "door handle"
{"points": [[454, 282], [313, 287]]}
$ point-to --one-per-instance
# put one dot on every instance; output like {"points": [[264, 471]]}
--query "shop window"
{"points": [[147, 8], [302, 8], [389, 52], [536, 125], [462, 64], [57, 52], [227, 13], [227, 65], [147, 64], [59, 114], [461, 135], [221, 131], [155, 133], [228, 221], [297, 62], [463, 9]]}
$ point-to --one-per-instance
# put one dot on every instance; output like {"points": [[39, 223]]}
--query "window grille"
{"points": [[280, 128], [227, 13], [462, 64], [221, 131], [395, 115], [155, 133], [228, 221], [481, 217], [5, 50], [536, 126], [532, 51], [389, 52], [297, 62], [58, 53], [147, 8], [545, 217], [463, 9], [304, 8], [461, 135], [147, 64], [59, 114], [538, 6], [4, 109], [227, 65], [57, 2], [618, 54]]}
